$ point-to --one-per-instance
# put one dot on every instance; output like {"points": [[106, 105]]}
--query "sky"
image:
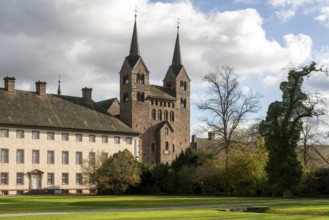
{"points": [[86, 41]]}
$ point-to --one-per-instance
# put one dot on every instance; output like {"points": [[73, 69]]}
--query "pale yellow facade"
{"points": [[19, 176]]}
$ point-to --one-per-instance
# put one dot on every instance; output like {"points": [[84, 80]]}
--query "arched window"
{"points": [[172, 116], [169, 85], [166, 115], [173, 148], [166, 131], [125, 79], [138, 78], [125, 97], [142, 79], [153, 147], [182, 86], [154, 115], [183, 103], [138, 96], [160, 115], [167, 146], [142, 96]]}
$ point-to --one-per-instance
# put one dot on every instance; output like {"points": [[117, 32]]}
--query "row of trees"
{"points": [[270, 167], [281, 129]]}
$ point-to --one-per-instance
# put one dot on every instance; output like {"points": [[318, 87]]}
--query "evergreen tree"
{"points": [[281, 130]]}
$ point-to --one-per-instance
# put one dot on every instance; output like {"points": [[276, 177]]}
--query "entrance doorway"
{"points": [[36, 182], [35, 177]]}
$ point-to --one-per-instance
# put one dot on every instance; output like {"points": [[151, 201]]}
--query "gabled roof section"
{"points": [[162, 124], [26, 108], [159, 92], [105, 104]]}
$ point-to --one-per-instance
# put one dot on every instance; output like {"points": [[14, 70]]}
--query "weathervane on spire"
{"points": [[178, 23]]}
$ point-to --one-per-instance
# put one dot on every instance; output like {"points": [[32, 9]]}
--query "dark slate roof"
{"points": [[177, 59], [24, 108], [176, 68], [160, 92], [106, 104], [134, 46], [132, 60]]}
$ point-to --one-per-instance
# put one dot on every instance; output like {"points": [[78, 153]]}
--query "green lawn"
{"points": [[120, 207]]}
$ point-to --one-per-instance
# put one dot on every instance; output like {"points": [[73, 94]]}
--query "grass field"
{"points": [[159, 207]]}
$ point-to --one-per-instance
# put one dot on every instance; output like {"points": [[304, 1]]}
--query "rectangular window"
{"points": [[4, 132], [78, 137], [35, 156], [65, 136], [65, 157], [92, 157], [78, 158], [20, 178], [92, 138], [4, 178], [50, 135], [129, 140], [20, 134], [50, 157], [20, 156], [78, 179], [104, 156], [105, 139], [65, 178], [116, 139], [35, 135], [4, 156], [50, 179]]}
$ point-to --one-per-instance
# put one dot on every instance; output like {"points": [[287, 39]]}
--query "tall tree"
{"points": [[282, 129], [226, 105]]}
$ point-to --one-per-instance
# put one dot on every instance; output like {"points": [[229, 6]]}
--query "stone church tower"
{"points": [[161, 114]]}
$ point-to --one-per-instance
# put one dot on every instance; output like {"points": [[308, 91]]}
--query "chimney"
{"points": [[211, 135], [193, 138], [86, 94], [40, 87], [9, 84]]}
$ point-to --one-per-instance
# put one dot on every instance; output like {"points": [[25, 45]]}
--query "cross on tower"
{"points": [[136, 11]]}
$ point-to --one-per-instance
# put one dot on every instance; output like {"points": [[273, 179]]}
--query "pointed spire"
{"points": [[59, 86], [177, 60], [134, 46]]}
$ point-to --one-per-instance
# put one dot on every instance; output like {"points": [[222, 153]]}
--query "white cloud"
{"points": [[286, 9], [323, 16], [271, 81], [86, 42]]}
